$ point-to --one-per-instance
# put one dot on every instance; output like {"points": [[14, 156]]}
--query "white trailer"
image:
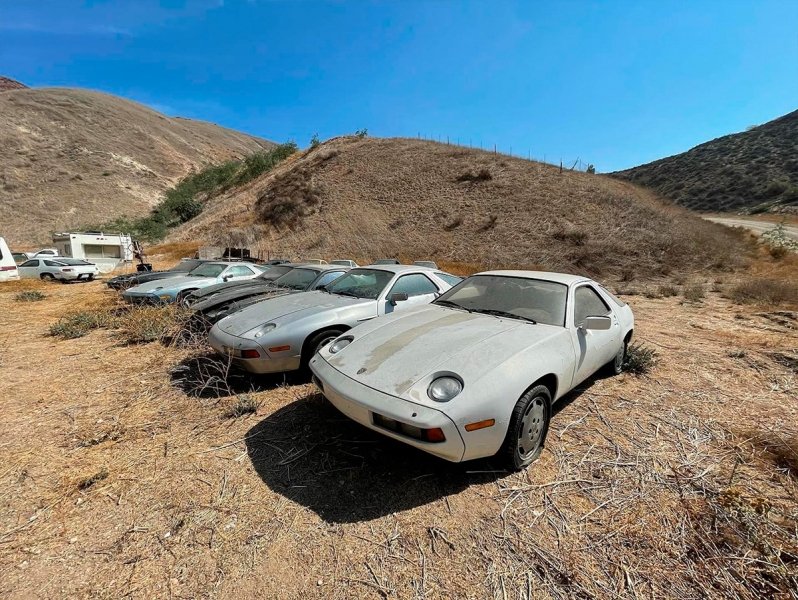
{"points": [[106, 250]]}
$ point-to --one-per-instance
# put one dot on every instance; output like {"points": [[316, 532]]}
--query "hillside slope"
{"points": [[7, 84], [369, 198], [72, 157], [750, 171]]}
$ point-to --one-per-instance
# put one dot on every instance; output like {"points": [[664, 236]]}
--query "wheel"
{"points": [[91, 277], [182, 298], [529, 425], [316, 342], [47, 277], [615, 366]]}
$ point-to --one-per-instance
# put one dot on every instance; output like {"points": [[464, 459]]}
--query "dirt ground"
{"points": [[120, 475]]}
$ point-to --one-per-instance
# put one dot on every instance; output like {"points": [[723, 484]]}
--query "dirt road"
{"points": [[757, 226]]}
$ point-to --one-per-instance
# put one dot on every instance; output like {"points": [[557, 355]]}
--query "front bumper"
{"points": [[149, 299], [230, 347], [359, 402]]}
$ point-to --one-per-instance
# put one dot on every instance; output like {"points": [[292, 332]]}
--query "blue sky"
{"points": [[613, 83]]}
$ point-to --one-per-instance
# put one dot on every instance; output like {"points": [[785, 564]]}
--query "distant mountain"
{"points": [[73, 157], [7, 83], [752, 171]]}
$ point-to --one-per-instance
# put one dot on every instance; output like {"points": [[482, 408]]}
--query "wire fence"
{"points": [[576, 164]]}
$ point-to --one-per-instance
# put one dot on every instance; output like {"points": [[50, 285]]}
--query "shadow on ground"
{"points": [[209, 376], [310, 453]]}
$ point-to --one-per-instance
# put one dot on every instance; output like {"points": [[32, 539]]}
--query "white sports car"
{"points": [[476, 372]]}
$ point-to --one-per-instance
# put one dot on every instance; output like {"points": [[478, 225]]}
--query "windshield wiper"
{"points": [[345, 293], [501, 313], [452, 305]]}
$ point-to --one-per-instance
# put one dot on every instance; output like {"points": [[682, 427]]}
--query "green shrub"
{"points": [[185, 200], [30, 296], [314, 141], [640, 359], [78, 324]]}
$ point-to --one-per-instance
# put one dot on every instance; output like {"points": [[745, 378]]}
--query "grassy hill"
{"points": [[73, 157], [752, 171], [368, 198]]}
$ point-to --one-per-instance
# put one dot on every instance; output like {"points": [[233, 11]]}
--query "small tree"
{"points": [[361, 133], [314, 141], [591, 169]]}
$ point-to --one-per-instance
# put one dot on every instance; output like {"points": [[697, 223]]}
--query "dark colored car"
{"points": [[229, 299], [122, 282]]}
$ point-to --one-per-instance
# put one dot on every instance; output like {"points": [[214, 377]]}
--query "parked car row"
{"points": [[461, 369], [44, 264]]}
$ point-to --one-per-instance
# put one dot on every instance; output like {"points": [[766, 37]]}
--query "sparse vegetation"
{"points": [[764, 291], [453, 224], [482, 175], [88, 482], [244, 405], [80, 323], [640, 359], [30, 296], [779, 244], [694, 292], [668, 291], [289, 199], [314, 141], [361, 133], [185, 200]]}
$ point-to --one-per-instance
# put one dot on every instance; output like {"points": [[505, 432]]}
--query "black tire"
{"points": [[615, 366], [319, 340], [91, 277], [532, 414], [47, 277]]}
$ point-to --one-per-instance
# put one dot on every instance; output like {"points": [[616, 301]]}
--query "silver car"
{"points": [[282, 334], [63, 269]]}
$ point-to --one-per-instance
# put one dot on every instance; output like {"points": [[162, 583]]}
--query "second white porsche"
{"points": [[476, 373]]}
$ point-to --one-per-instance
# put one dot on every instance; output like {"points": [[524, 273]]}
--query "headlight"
{"points": [[265, 329], [340, 344], [444, 389]]}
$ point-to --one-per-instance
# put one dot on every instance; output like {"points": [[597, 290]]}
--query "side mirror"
{"points": [[226, 278], [398, 297], [597, 323]]}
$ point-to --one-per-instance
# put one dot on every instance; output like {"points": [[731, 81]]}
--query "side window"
{"points": [[239, 271], [587, 303], [30, 263], [452, 280], [328, 277], [414, 285]]}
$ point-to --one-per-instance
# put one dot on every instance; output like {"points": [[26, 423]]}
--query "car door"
{"points": [[29, 268], [593, 348], [419, 288]]}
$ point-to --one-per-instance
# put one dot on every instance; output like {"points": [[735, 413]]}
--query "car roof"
{"points": [[316, 267], [398, 268], [230, 262], [564, 278]]}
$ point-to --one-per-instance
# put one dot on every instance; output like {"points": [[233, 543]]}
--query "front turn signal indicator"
{"points": [[480, 425]]}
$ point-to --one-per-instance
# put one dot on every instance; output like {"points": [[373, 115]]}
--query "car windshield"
{"points": [[361, 283], [513, 297], [208, 270], [297, 279], [275, 272], [184, 266]]}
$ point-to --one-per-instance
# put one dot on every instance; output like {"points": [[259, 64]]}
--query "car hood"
{"points": [[232, 286], [306, 303], [409, 346], [172, 283], [225, 296]]}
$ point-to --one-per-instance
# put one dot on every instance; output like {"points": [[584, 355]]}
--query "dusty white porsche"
{"points": [[476, 372]]}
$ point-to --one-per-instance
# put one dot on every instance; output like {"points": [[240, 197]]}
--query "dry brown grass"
{"points": [[680, 483], [392, 197], [101, 156]]}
